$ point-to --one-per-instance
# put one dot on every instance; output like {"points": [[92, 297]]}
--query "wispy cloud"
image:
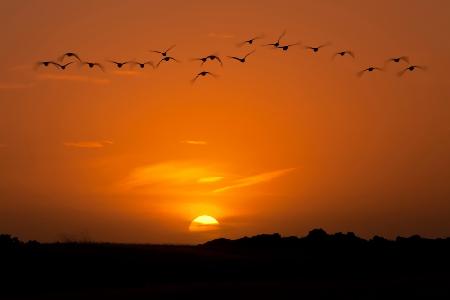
{"points": [[194, 142], [79, 78], [188, 178], [210, 179], [170, 173], [252, 180], [15, 85], [88, 144]]}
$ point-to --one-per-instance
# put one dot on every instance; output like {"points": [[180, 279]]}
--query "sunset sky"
{"points": [[286, 142]]}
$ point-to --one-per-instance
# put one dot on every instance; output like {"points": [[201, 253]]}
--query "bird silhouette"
{"points": [[242, 59], [202, 59], [143, 64], [164, 52], [46, 63], [277, 42], [92, 65], [69, 54], [369, 69], [250, 41], [119, 64], [166, 58], [286, 47], [215, 57], [203, 74], [317, 48], [343, 53], [398, 59], [411, 68], [62, 67]]}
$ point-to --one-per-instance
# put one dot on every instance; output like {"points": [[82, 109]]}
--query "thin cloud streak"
{"points": [[256, 179], [210, 179], [88, 144]]}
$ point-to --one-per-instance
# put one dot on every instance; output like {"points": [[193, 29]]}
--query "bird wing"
{"points": [[76, 56], [361, 73], [156, 51], [56, 64], [282, 35], [324, 45], [213, 75], [350, 53], [250, 53], [195, 78], [100, 66], [234, 57], [69, 63], [240, 44], [61, 58], [220, 61], [405, 58], [399, 74], [150, 63], [157, 65], [170, 48], [423, 68]]}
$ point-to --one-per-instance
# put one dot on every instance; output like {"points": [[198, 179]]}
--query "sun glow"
{"points": [[204, 223]]}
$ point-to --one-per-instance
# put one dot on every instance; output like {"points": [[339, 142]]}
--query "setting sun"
{"points": [[203, 223]]}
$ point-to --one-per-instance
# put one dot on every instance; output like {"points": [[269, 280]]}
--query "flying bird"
{"points": [[45, 63], [277, 42], [62, 67], [119, 64], [317, 48], [164, 52], [215, 57], [286, 47], [242, 59], [398, 59], [203, 74], [202, 59], [250, 41], [92, 65], [411, 68], [143, 64], [69, 54], [343, 53], [369, 69], [166, 58]]}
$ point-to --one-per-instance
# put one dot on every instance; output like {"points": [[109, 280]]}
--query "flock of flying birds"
{"points": [[165, 58]]}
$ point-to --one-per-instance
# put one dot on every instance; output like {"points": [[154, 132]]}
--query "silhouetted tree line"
{"points": [[319, 237], [266, 266]]}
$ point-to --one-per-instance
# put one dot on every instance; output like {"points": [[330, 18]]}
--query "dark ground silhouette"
{"points": [[318, 266]]}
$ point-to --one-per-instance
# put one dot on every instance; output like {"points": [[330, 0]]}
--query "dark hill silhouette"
{"points": [[266, 266]]}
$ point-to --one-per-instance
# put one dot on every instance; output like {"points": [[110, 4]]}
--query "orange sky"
{"points": [[284, 143]]}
